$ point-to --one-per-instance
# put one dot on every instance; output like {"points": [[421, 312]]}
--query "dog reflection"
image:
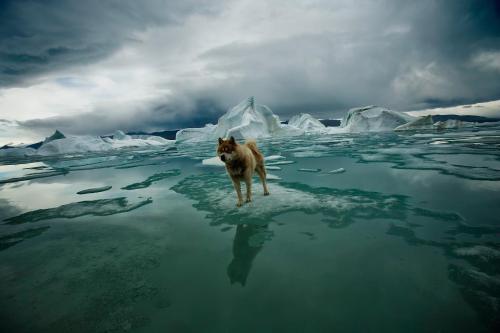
{"points": [[245, 250]]}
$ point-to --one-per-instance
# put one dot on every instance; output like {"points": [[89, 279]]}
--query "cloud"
{"points": [[93, 67], [487, 60], [38, 37]]}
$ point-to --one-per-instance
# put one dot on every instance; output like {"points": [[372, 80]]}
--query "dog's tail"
{"points": [[252, 145]]}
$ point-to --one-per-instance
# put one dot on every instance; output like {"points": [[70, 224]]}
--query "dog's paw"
{"points": [[266, 193], [248, 200], [239, 204]]}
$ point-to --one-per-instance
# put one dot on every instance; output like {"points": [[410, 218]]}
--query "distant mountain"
{"points": [[330, 122], [326, 122], [467, 118], [168, 134]]}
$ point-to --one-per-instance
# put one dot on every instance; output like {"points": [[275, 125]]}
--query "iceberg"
{"points": [[119, 135], [244, 121], [451, 124], [373, 119], [59, 143], [72, 144], [307, 123], [421, 123], [248, 120], [16, 151], [196, 134], [426, 123]]}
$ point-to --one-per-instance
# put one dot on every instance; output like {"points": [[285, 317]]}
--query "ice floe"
{"points": [[101, 207], [94, 190], [152, 179], [373, 119], [309, 170], [213, 161]]}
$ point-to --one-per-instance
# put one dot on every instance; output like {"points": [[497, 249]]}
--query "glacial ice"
{"points": [[213, 161], [94, 190], [307, 123], [59, 143], [280, 163], [427, 123], [309, 170], [451, 124], [339, 170], [196, 134], [103, 207], [274, 157], [119, 135], [373, 119], [17, 152], [245, 120], [421, 123], [73, 144], [248, 120], [153, 179]]}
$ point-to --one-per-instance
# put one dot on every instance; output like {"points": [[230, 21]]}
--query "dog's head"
{"points": [[226, 149]]}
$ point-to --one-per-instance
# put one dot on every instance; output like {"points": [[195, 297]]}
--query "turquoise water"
{"points": [[404, 240]]}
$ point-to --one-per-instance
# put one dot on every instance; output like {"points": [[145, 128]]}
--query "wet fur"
{"points": [[241, 161]]}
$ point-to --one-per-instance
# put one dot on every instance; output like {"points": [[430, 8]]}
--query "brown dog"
{"points": [[241, 161]]}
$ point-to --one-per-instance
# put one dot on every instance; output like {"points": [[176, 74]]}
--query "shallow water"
{"points": [[404, 238]]}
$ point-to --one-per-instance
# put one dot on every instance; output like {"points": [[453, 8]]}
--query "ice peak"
{"points": [[251, 102], [247, 120], [56, 136]]}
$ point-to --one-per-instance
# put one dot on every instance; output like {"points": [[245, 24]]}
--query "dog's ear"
{"points": [[221, 141], [231, 140]]}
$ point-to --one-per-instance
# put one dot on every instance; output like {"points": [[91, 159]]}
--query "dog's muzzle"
{"points": [[223, 158]]}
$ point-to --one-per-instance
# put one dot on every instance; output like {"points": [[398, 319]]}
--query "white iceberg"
{"points": [[16, 151], [307, 123], [421, 123], [196, 134], [451, 124], [373, 119], [58, 143], [119, 135], [248, 120], [73, 144]]}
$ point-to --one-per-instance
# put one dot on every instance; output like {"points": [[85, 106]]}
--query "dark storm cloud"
{"points": [[426, 64], [401, 54], [150, 118], [41, 36]]}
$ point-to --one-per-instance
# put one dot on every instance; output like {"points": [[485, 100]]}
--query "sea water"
{"points": [[377, 232]]}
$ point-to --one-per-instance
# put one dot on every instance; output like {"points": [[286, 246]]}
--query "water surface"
{"points": [[405, 239]]}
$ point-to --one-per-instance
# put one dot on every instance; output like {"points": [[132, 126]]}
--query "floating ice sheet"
{"points": [[94, 190]]}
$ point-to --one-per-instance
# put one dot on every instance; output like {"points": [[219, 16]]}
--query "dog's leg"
{"points": [[248, 182], [237, 187], [261, 170]]}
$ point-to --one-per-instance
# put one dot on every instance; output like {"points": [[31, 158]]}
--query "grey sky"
{"points": [[96, 66]]}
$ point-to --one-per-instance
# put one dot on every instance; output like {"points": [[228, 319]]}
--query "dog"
{"points": [[241, 161]]}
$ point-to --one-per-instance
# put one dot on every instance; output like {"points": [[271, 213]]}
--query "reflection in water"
{"points": [[478, 279], [248, 242], [151, 179], [103, 207], [17, 237]]}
